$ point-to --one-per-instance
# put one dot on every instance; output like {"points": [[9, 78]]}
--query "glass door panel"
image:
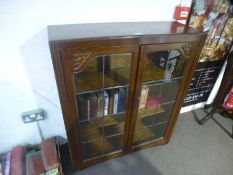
{"points": [[162, 76], [101, 93]]}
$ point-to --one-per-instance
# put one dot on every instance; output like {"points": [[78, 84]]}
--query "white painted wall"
{"points": [[26, 74]]}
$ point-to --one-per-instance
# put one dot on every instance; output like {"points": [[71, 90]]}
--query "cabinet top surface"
{"points": [[116, 29]]}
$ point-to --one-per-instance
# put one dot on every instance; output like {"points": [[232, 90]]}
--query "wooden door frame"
{"points": [[71, 117], [185, 49]]}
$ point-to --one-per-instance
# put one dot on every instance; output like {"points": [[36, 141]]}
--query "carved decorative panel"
{"points": [[80, 60]]}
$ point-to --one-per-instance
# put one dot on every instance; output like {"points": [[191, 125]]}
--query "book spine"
{"points": [[3, 163], [121, 100], [115, 102], [93, 106], [17, 160], [111, 98], [1, 171], [100, 104], [88, 108], [82, 114], [8, 164], [143, 98], [106, 102], [34, 164], [49, 154]]}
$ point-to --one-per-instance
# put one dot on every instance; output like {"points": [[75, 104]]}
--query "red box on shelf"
{"points": [[181, 13]]}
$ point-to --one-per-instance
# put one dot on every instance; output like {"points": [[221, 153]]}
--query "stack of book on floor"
{"points": [[38, 160], [102, 103]]}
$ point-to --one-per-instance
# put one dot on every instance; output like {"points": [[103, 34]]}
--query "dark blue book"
{"points": [[83, 102], [121, 100], [3, 164]]}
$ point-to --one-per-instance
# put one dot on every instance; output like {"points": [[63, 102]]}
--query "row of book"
{"points": [[148, 100], [101, 103], [38, 160]]}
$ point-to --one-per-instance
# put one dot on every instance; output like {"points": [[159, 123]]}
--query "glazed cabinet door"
{"points": [[102, 83], [161, 80]]}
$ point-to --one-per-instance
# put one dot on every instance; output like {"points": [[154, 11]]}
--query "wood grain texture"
{"points": [[73, 47], [116, 30]]}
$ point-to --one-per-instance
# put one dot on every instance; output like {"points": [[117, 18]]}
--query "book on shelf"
{"points": [[93, 105], [3, 164], [83, 107], [100, 104], [151, 102], [115, 101], [106, 101], [17, 160], [143, 97], [34, 163], [111, 100], [8, 164], [49, 154], [121, 100], [1, 173]]}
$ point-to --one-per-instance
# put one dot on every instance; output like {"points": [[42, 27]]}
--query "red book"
{"points": [[34, 164], [49, 154], [151, 102], [17, 160]]}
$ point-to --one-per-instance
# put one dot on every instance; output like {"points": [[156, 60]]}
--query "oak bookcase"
{"points": [[121, 85]]}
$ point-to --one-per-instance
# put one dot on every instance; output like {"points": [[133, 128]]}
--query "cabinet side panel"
{"points": [[61, 85]]}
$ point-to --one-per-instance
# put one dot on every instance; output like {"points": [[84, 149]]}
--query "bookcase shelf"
{"points": [[102, 89], [149, 133], [105, 120], [147, 112], [119, 91], [93, 80]]}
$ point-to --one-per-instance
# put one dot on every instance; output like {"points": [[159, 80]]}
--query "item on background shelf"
{"points": [[216, 30], [225, 40], [143, 97], [83, 107], [93, 106], [115, 104], [106, 101], [1, 173], [17, 160], [3, 164], [34, 163], [171, 64], [151, 102], [121, 100], [111, 101], [8, 164], [49, 154], [211, 18], [228, 101], [181, 12], [162, 99], [100, 101]]}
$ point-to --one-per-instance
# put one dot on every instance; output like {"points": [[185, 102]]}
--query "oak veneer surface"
{"points": [[138, 38], [116, 29]]}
